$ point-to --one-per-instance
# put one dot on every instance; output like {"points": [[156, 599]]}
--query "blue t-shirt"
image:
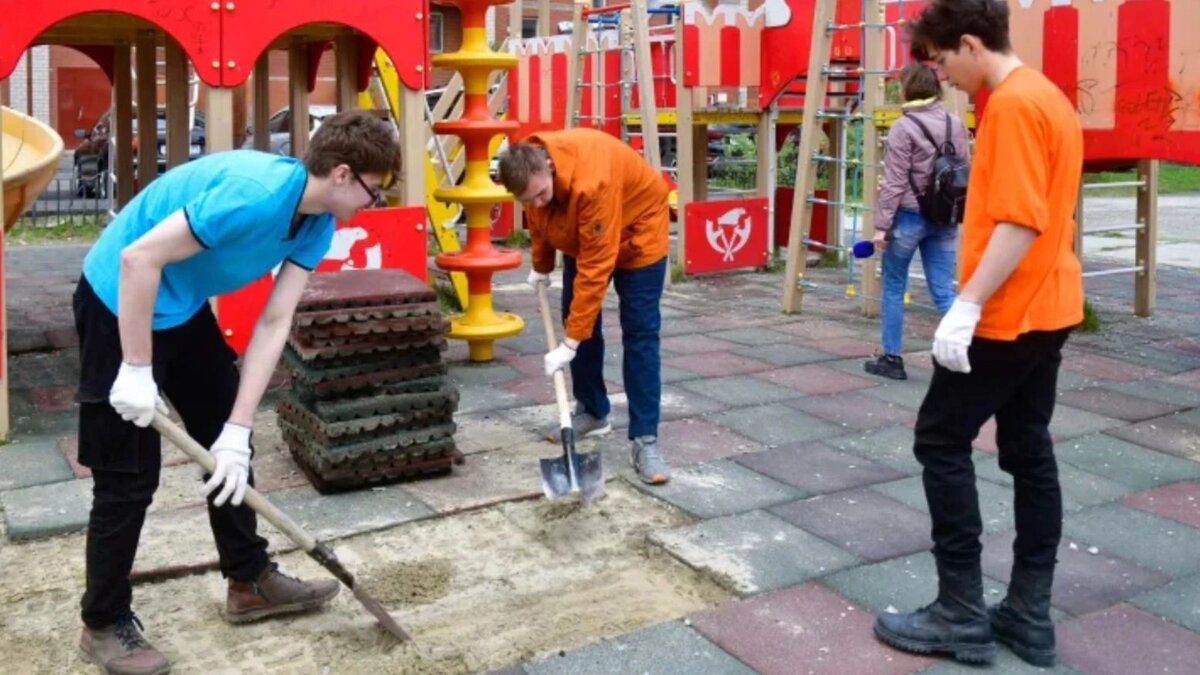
{"points": [[240, 205]]}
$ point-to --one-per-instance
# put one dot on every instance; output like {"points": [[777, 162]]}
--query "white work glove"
{"points": [[560, 356], [134, 395], [536, 277], [954, 334], [232, 452]]}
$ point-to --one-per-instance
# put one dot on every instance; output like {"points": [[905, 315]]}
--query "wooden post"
{"points": [[873, 85], [218, 123], [575, 63], [1146, 281], [147, 108], [766, 171], [298, 95], [262, 102], [4, 429], [806, 168], [412, 138], [346, 52], [837, 181], [544, 27], [179, 135], [121, 156], [516, 14], [645, 78], [685, 143]]}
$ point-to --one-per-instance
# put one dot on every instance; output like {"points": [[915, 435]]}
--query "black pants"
{"points": [[196, 371], [1015, 381]]}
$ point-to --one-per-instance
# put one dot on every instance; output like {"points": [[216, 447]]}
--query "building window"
{"points": [[436, 30], [528, 27]]}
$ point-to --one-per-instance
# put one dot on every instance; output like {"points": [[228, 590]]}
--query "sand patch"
{"points": [[478, 591]]}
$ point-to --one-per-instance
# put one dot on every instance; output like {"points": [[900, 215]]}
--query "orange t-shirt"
{"points": [[609, 210], [1026, 171]]}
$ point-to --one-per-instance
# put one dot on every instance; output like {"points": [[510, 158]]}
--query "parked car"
{"points": [[91, 164], [279, 127]]}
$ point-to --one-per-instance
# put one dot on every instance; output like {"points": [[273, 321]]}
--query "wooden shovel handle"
{"points": [[560, 380], [253, 498]]}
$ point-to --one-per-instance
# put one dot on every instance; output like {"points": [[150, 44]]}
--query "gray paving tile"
{"points": [[1125, 639], [33, 461], [1158, 390], [1178, 601], [863, 522], [720, 488], [339, 515], [891, 446], [1125, 463], [46, 510], [995, 501], [470, 373], [1006, 663], [754, 552], [817, 468], [752, 336], [903, 584], [664, 649], [1116, 404], [1070, 422], [775, 424], [740, 390], [1156, 543], [783, 354], [908, 393], [485, 397], [1080, 488]]}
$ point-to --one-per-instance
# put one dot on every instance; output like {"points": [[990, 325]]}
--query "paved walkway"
{"points": [[795, 481]]}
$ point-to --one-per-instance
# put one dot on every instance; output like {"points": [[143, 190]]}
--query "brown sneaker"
{"points": [[274, 592], [120, 649]]}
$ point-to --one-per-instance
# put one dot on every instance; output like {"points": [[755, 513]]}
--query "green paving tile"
{"points": [[783, 355], [33, 461], [740, 390], [1070, 422], [1125, 463], [775, 424], [752, 336], [903, 584], [891, 446], [1006, 663], [46, 510], [908, 393], [995, 501], [1153, 542], [754, 552], [1178, 601], [720, 488], [664, 649], [1080, 488]]}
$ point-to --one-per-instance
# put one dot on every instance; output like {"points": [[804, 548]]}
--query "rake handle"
{"points": [[253, 498]]}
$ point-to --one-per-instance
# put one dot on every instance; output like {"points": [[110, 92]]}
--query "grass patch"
{"points": [[517, 239], [1172, 179], [1091, 320], [73, 229], [830, 259], [447, 298], [776, 264], [677, 274]]}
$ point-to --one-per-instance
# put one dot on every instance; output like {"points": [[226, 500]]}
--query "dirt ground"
{"points": [[478, 591]]}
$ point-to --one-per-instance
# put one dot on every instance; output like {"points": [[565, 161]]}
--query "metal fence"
{"points": [[63, 202]]}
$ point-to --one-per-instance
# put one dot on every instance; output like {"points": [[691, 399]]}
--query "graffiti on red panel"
{"points": [[390, 238], [724, 235], [1129, 67]]}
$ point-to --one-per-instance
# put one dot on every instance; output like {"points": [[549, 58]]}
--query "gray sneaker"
{"points": [[649, 462], [584, 425], [120, 649]]}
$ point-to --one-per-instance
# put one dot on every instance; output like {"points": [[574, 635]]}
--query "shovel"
{"points": [[573, 472], [320, 552]]}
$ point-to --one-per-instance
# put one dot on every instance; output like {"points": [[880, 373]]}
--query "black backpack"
{"points": [[942, 202]]}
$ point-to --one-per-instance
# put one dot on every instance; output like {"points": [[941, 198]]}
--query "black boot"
{"points": [[956, 623], [890, 366], [1022, 619]]}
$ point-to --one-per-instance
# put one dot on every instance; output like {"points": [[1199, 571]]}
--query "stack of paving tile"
{"points": [[370, 402]]}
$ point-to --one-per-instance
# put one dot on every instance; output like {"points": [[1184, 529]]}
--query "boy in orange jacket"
{"points": [[594, 198]]}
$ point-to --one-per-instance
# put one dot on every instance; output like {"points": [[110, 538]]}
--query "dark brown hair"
{"points": [[919, 81], [943, 23], [518, 163], [358, 139]]}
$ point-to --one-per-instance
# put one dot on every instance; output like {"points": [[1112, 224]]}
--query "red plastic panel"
{"points": [[725, 235], [389, 238], [193, 23], [400, 27], [783, 218]]}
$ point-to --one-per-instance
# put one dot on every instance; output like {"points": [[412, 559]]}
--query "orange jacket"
{"points": [[609, 210]]}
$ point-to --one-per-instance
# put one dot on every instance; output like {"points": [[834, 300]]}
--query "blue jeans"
{"points": [[910, 232], [639, 291]]}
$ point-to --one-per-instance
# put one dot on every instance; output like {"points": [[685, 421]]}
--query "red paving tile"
{"points": [[849, 347], [1189, 379], [1124, 640], [1094, 365], [815, 329], [693, 344], [1116, 404], [817, 379], [1166, 434], [692, 441], [1178, 501], [803, 629], [53, 399], [717, 364], [854, 410]]}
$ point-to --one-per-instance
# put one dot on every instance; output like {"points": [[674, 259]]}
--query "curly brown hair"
{"points": [[359, 139]]}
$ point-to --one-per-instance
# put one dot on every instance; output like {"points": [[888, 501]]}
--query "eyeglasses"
{"points": [[375, 195]]}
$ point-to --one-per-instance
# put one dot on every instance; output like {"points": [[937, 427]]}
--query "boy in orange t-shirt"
{"points": [[592, 197], [997, 351]]}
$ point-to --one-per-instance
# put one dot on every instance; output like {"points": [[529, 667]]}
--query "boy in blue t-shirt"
{"points": [[144, 322]]}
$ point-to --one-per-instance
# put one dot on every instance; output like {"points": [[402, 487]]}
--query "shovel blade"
{"points": [[556, 477], [590, 474], [381, 614]]}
